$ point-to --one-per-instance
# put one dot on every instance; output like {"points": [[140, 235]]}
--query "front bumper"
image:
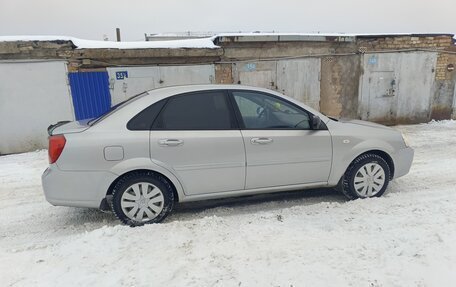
{"points": [[75, 188], [403, 159]]}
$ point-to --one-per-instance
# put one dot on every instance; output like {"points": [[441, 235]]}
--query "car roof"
{"points": [[162, 93], [150, 97], [202, 87]]}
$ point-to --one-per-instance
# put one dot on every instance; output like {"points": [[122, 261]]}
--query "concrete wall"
{"points": [[339, 86], [33, 95]]}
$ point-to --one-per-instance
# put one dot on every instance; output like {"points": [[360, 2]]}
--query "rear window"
{"points": [[114, 108]]}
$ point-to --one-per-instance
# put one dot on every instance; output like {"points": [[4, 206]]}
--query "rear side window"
{"points": [[143, 121], [196, 111]]}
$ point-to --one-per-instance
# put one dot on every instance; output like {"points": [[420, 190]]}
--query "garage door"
{"points": [[396, 86], [126, 82], [298, 78]]}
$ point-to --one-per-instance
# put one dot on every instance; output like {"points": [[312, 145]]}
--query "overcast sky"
{"points": [[91, 19]]}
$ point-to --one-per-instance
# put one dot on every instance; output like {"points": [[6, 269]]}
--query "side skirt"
{"points": [[235, 193]]}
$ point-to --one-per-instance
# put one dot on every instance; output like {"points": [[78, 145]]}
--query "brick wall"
{"points": [[405, 42], [443, 42], [441, 72]]}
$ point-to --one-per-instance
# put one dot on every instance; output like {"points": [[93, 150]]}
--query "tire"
{"points": [[142, 197], [367, 176]]}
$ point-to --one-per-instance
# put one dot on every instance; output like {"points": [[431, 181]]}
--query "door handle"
{"points": [[261, 140], [170, 142]]}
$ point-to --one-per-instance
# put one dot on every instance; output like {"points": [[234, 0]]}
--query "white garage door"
{"points": [[297, 78], [397, 86], [33, 95], [126, 82], [300, 79], [453, 115]]}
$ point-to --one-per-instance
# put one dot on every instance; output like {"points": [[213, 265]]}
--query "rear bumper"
{"points": [[403, 159], [75, 188]]}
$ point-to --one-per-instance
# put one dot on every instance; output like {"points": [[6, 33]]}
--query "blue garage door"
{"points": [[90, 93]]}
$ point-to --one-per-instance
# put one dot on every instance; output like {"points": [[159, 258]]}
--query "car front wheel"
{"points": [[367, 176], [142, 197]]}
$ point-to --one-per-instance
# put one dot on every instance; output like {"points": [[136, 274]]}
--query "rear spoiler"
{"points": [[51, 128]]}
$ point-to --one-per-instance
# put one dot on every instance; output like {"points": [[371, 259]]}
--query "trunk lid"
{"points": [[68, 127]]}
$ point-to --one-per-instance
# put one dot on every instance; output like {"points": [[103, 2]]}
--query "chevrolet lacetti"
{"points": [[199, 142]]}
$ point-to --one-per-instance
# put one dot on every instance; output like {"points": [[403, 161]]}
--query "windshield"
{"points": [[113, 108]]}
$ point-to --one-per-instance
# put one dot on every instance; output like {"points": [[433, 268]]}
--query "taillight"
{"points": [[56, 145]]}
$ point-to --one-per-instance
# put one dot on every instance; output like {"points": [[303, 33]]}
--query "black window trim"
{"points": [[235, 114], [233, 119], [241, 121]]}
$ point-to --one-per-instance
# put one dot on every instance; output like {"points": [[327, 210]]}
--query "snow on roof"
{"points": [[207, 42], [93, 44], [199, 34], [240, 34]]}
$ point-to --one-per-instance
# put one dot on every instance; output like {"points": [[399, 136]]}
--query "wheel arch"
{"points": [[382, 154], [111, 186], [343, 162]]}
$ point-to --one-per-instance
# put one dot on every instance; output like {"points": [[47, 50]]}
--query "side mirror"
{"points": [[316, 122]]}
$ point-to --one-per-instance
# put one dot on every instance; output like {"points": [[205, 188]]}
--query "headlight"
{"points": [[406, 142]]}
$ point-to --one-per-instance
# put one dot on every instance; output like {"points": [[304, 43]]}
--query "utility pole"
{"points": [[118, 34]]}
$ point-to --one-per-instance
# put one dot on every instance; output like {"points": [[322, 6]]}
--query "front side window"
{"points": [[261, 111], [197, 111]]}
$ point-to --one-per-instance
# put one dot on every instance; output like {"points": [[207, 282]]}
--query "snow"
{"points": [[196, 34], [92, 44], [240, 34], [206, 42], [312, 238]]}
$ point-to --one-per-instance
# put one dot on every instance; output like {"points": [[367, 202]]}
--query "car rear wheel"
{"points": [[141, 198], [367, 176]]}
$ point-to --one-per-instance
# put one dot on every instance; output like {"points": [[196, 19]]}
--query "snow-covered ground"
{"points": [[312, 238]]}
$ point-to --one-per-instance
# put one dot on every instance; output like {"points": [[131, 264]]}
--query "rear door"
{"points": [[281, 148], [196, 136]]}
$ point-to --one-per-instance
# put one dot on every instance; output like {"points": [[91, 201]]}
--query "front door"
{"points": [[281, 148], [196, 136]]}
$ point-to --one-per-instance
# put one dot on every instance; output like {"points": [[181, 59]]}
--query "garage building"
{"points": [[390, 79]]}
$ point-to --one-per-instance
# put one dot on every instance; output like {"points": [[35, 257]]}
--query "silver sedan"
{"points": [[200, 142]]}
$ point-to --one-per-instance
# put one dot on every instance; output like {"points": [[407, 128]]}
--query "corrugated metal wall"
{"points": [[90, 93]]}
